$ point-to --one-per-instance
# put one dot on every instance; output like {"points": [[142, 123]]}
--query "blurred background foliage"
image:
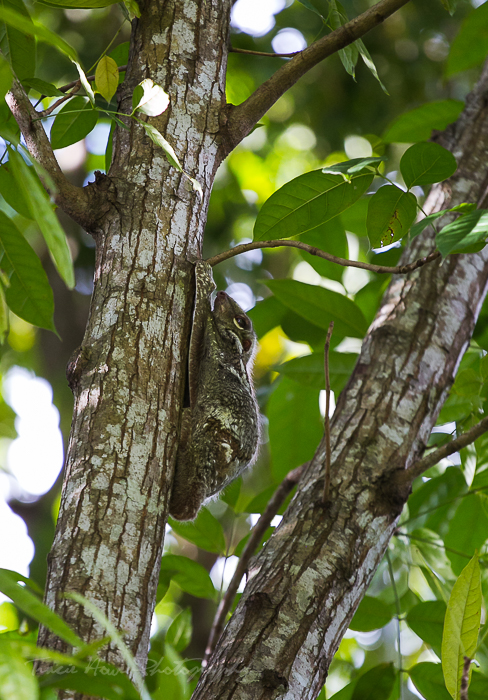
{"points": [[327, 117]]}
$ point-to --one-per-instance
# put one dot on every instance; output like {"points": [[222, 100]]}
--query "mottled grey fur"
{"points": [[220, 429]]}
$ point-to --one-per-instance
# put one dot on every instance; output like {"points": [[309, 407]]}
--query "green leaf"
{"points": [[17, 680], [32, 606], [292, 410], [101, 680], [461, 626], [180, 631], [6, 77], [462, 233], [391, 212], [29, 294], [429, 681], [417, 124], [312, 8], [159, 140], [4, 329], [375, 684], [32, 28], [188, 574], [42, 87], [110, 143], [153, 101], [78, 4], [42, 212], [309, 201], [309, 369], [107, 77], [468, 530], [427, 621], [86, 83], [330, 237], [12, 194], [205, 531], [469, 47], [426, 221], [365, 55], [73, 122], [321, 306], [266, 315], [370, 615], [19, 49], [120, 55], [426, 163]]}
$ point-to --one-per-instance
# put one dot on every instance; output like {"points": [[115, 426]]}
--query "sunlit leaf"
{"points": [[73, 122], [461, 626], [391, 212], [153, 101], [17, 45], [368, 61], [462, 233], [16, 677], [426, 163], [6, 76], [180, 631], [42, 87], [417, 124], [188, 574], [44, 216], [307, 202], [159, 140], [107, 77], [85, 82]]}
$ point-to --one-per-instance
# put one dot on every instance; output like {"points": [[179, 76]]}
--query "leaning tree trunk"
{"points": [[305, 585], [128, 376]]}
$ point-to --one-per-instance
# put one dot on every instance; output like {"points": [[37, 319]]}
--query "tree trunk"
{"points": [[305, 585], [128, 376]]}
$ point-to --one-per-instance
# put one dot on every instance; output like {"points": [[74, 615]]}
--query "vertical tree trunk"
{"points": [[128, 376]]}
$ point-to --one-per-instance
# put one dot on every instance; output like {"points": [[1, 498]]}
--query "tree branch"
{"points": [[75, 201], [419, 467], [397, 270], [243, 117]]}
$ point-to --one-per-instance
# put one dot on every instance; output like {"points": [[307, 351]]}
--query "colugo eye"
{"points": [[240, 322]]}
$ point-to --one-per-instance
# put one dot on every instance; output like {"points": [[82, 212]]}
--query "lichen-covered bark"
{"points": [[306, 583], [128, 375]]}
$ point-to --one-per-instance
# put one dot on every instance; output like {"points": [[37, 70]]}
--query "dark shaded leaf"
{"points": [[73, 122]]}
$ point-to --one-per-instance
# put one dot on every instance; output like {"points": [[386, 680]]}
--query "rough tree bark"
{"points": [[128, 376]]}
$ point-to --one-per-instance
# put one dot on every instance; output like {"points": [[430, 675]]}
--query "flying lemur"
{"points": [[220, 429]]}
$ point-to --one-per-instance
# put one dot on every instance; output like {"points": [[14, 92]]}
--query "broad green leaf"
{"points": [[428, 679], [32, 606], [100, 680], [417, 124], [4, 326], [309, 370], [205, 531], [461, 626], [312, 8], [450, 5], [18, 46], [29, 293], [293, 410], [370, 615], [73, 122], [78, 4], [391, 212], [120, 55], [180, 631], [375, 684], [42, 87], [266, 315], [110, 143], [426, 221], [368, 297], [28, 649], [172, 677], [44, 216], [426, 163], [188, 574], [12, 194], [17, 680], [368, 61], [427, 621], [154, 100], [468, 530], [349, 55], [107, 77], [469, 47], [32, 28], [321, 306], [230, 494], [330, 237], [159, 140], [307, 202], [463, 232], [6, 77]]}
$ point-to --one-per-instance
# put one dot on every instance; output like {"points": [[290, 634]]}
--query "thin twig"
{"points": [[290, 480], [397, 270], [463, 691], [263, 53], [419, 467], [326, 417]]}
